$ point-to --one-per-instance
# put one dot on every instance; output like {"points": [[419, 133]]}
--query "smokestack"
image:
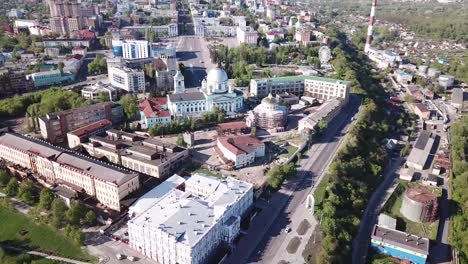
{"points": [[370, 29]]}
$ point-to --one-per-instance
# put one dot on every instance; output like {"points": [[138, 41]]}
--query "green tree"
{"points": [[58, 208], [98, 65], [26, 192], [130, 106], [180, 141], [60, 67], [90, 217], [46, 197], [12, 187], [4, 178], [75, 213], [103, 97]]}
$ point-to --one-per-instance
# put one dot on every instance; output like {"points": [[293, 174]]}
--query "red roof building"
{"points": [[240, 150], [82, 134], [154, 111]]}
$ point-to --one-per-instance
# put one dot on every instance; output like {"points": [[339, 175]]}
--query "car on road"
{"points": [[287, 230], [202, 61]]}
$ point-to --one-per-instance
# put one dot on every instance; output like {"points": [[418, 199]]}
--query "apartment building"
{"points": [[52, 165], [13, 82], [54, 126], [130, 80], [131, 49], [314, 86], [146, 155], [187, 226]]}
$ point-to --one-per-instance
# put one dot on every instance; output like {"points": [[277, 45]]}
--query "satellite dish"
{"points": [[324, 54]]}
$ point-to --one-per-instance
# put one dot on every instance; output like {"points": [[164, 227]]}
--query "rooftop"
{"points": [[240, 144], [405, 240], [83, 131], [232, 125], [89, 166], [191, 96], [305, 77], [420, 194], [186, 216], [155, 107]]}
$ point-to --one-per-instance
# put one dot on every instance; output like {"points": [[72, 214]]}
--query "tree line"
{"points": [[357, 168], [239, 62], [459, 185], [47, 208]]}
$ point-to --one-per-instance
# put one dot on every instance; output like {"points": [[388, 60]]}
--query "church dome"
{"points": [[270, 100], [217, 75], [217, 80]]}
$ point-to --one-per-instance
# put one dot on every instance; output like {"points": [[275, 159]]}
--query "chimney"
{"points": [[370, 29]]}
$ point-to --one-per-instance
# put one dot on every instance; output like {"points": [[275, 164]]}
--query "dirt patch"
{"points": [[303, 227], [313, 247], [293, 245]]}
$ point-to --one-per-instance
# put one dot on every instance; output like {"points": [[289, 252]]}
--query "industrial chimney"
{"points": [[370, 29]]}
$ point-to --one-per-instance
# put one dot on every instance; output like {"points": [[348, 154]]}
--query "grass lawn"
{"points": [[38, 237], [319, 193], [392, 208], [291, 149]]}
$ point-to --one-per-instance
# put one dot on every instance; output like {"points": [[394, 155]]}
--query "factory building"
{"points": [[185, 221], [419, 205], [146, 155]]}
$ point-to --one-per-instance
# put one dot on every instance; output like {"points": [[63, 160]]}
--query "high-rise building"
{"points": [[64, 8]]}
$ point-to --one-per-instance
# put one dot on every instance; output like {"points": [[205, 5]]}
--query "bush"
{"points": [[278, 174], [4, 178], [26, 192], [12, 187]]}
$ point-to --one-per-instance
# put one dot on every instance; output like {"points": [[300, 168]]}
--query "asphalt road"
{"points": [[192, 51], [369, 217], [265, 235]]}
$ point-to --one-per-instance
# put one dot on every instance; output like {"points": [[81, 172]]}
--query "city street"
{"points": [[193, 52], [266, 240]]}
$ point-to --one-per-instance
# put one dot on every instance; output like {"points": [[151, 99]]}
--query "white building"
{"points": [[132, 49], [130, 80], [247, 35], [326, 112], [52, 165], [316, 87], [186, 227], [215, 92], [92, 92], [239, 151]]}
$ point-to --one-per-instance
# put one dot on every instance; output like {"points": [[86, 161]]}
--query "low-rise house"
{"points": [[460, 99], [239, 151], [422, 111], [422, 147], [154, 111]]}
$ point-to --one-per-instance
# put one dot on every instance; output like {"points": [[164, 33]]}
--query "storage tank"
{"points": [[433, 73], [419, 205], [446, 80], [117, 48], [423, 69]]}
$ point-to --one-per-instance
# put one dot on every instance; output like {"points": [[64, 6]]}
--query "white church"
{"points": [[215, 92]]}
